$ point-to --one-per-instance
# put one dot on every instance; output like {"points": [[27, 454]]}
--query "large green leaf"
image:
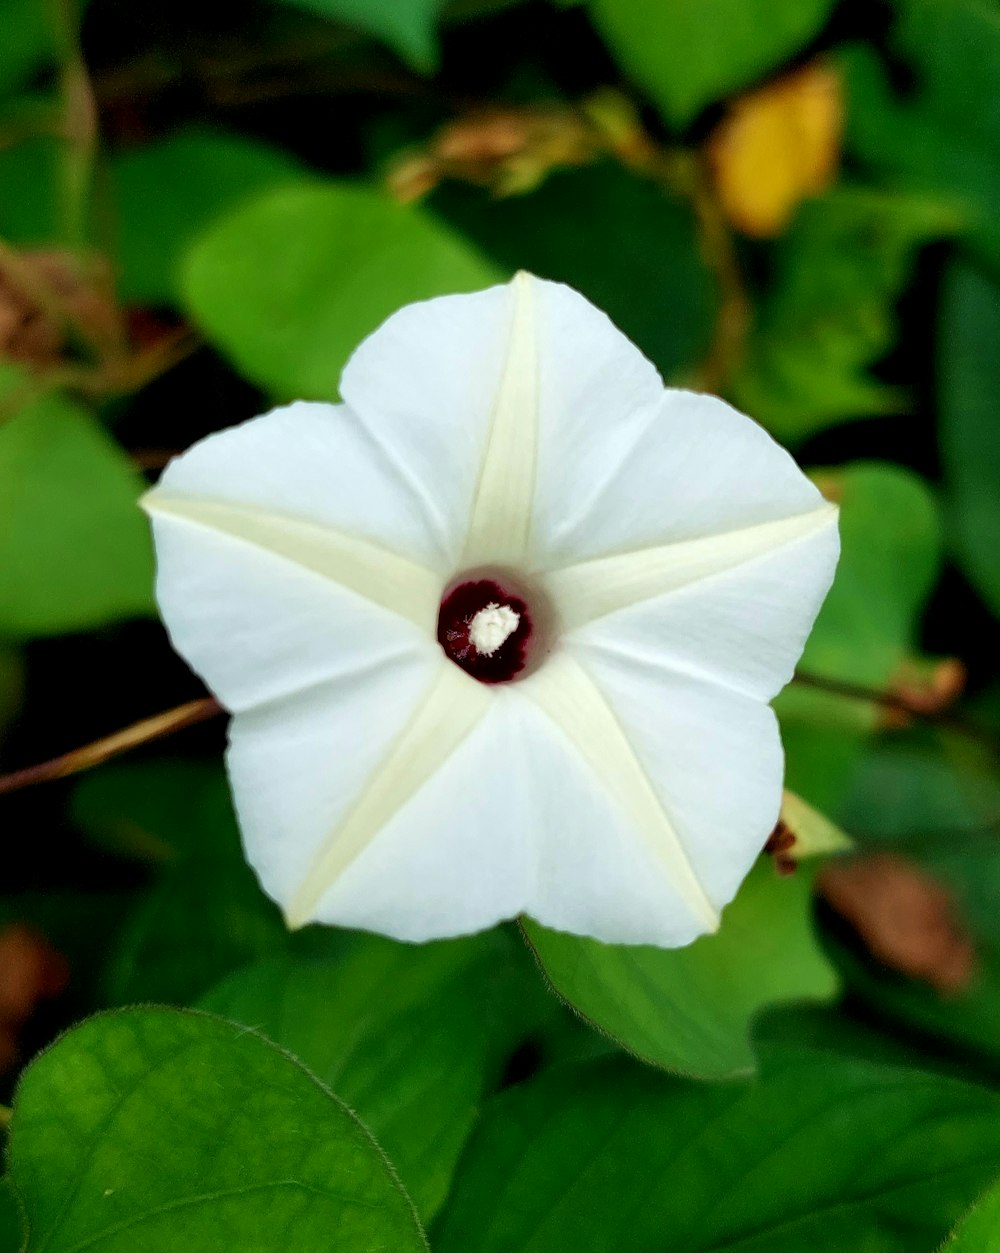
{"points": [[890, 555], [690, 1009], [74, 548], [169, 193], [687, 53], [922, 786], [27, 40], [162, 1130], [823, 1153], [411, 1036], [289, 284], [658, 291], [828, 314], [10, 1219], [204, 915], [979, 1232], [944, 135], [970, 429], [30, 208], [407, 26]]}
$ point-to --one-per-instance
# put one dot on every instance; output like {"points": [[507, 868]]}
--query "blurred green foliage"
{"points": [[203, 209]]}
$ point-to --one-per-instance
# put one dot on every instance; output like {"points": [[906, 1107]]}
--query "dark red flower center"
{"points": [[486, 629]]}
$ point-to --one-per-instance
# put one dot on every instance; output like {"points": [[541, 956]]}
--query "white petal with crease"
{"points": [[501, 520], [742, 626], [257, 627], [684, 467], [312, 462], [606, 585], [444, 717], [424, 386], [297, 765], [713, 756], [513, 822]]}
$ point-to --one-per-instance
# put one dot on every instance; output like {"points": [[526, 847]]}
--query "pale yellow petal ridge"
{"points": [[565, 692], [593, 589], [447, 715], [386, 579], [500, 519]]}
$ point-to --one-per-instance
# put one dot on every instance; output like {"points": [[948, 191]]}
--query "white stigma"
{"points": [[491, 627]]}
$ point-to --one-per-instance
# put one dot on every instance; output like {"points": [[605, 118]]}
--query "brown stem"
{"points": [[102, 750], [857, 691], [896, 702]]}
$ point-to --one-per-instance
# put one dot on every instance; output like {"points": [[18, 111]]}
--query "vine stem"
{"points": [[93, 754], [79, 121], [896, 702]]}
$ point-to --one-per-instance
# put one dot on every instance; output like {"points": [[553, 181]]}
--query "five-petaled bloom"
{"points": [[499, 632]]}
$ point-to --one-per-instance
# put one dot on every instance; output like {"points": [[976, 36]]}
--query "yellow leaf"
{"points": [[775, 147]]}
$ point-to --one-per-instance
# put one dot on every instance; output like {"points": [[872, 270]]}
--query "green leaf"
{"points": [[205, 915], [979, 1232], [406, 26], [161, 1130], [690, 1009], [890, 556], [922, 784], [687, 53], [289, 284], [969, 347], [169, 193], [74, 548], [943, 136], [158, 811], [829, 312], [30, 205], [822, 1153], [11, 1239], [27, 41], [410, 1036], [658, 291]]}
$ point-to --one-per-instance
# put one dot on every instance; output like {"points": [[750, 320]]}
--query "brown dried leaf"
{"points": [[30, 971], [509, 150], [50, 296], [776, 146], [906, 918]]}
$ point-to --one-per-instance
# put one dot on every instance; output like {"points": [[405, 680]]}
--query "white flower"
{"points": [[499, 632]]}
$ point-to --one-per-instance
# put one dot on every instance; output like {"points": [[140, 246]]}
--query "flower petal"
{"points": [[734, 610], [425, 386], [500, 524], [439, 723], [514, 821], [380, 576], [258, 627], [312, 462], [631, 466], [317, 775], [597, 395], [564, 691], [712, 755]]}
